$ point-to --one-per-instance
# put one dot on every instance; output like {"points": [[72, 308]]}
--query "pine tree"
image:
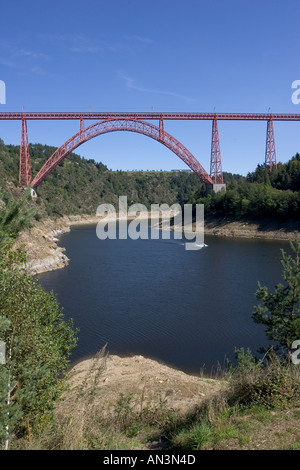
{"points": [[280, 311]]}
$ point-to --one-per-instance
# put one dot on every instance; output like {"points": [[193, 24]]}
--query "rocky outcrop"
{"points": [[41, 242]]}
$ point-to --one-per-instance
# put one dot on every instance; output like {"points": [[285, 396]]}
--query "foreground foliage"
{"points": [[37, 340], [280, 311], [257, 408]]}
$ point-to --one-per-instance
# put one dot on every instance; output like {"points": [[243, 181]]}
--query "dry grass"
{"points": [[254, 408]]}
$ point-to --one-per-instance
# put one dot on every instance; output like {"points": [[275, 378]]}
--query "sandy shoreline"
{"points": [[145, 380]]}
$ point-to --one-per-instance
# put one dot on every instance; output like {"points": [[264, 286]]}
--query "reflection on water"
{"points": [[152, 297]]}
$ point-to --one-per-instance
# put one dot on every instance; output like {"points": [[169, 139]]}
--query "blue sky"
{"points": [[163, 55]]}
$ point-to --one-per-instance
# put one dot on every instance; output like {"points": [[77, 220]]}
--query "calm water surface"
{"points": [[189, 309]]}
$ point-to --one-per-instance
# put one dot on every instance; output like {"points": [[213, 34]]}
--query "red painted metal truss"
{"points": [[270, 154], [110, 125], [215, 158], [24, 167]]}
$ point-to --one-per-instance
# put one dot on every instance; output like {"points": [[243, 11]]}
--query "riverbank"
{"points": [[44, 253], [41, 242], [145, 380], [136, 403], [266, 229]]}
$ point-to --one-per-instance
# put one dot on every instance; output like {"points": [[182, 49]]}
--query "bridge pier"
{"points": [[33, 193], [216, 188], [216, 172], [24, 166], [270, 155]]}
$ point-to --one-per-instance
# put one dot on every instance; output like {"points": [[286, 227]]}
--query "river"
{"points": [[187, 308]]}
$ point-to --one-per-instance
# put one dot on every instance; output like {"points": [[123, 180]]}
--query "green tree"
{"points": [[38, 344], [37, 339], [280, 311]]}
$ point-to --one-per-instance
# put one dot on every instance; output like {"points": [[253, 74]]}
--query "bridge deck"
{"points": [[150, 116]]}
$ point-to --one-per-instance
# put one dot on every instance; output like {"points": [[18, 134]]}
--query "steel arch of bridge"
{"points": [[118, 124]]}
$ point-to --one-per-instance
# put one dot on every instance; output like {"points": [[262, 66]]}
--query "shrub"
{"points": [[270, 382]]}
